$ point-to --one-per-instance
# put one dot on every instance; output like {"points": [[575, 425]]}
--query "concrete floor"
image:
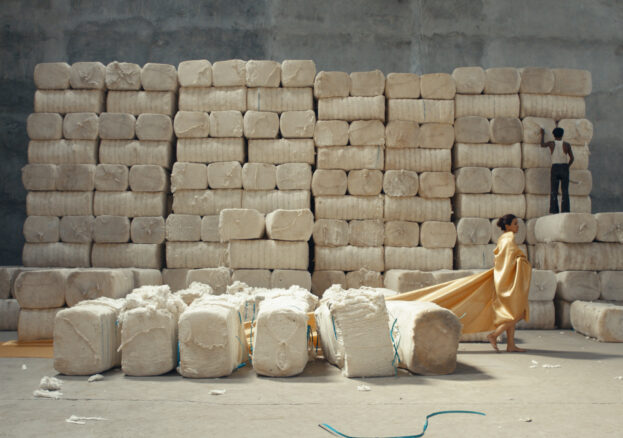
{"points": [[581, 397]]}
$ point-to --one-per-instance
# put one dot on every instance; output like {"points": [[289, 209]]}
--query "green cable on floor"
{"points": [[335, 432]]}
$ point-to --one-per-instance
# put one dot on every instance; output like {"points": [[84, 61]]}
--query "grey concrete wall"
{"points": [[421, 36]]}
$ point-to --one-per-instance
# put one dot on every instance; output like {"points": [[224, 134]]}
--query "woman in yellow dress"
{"points": [[494, 300]]}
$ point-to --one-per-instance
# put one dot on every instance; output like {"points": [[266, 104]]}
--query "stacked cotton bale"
{"points": [[62, 156], [348, 180], [9, 306], [486, 161], [132, 177]]}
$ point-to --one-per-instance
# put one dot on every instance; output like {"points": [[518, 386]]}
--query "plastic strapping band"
{"points": [[178, 353], [242, 347], [334, 331], [251, 333], [396, 358], [335, 432]]}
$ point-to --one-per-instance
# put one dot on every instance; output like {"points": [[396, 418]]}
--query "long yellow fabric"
{"points": [[486, 300]]}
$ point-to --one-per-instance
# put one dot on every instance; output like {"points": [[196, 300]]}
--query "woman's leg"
{"points": [[510, 339], [493, 336]]}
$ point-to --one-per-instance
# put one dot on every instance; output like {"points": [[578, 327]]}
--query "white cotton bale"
{"points": [[147, 277], [57, 255], [436, 136], [8, 274], [331, 133], [572, 82], [148, 178], [536, 80], [538, 205], [111, 177], [437, 86], [228, 124], [429, 334], [367, 83], [400, 183], [44, 126], [421, 110], [351, 157], [401, 233], [77, 229], [159, 77], [52, 75], [323, 280], [489, 205], [154, 127], [253, 277], [535, 156], [352, 108], [141, 102], [401, 134], [329, 182], [297, 124], [209, 229], [206, 202], [502, 80], [553, 107], [194, 255], [284, 278], [294, 176], [263, 73], [257, 124], [35, 324], [471, 129], [434, 234], [417, 209], [41, 229], [87, 75], [183, 228], [213, 99], [281, 151], [486, 155], [147, 230], [436, 185], [349, 258], [126, 255], [473, 180], [9, 314], [130, 152], [123, 76], [473, 231], [331, 84], [364, 278], [114, 126], [611, 285], [424, 259], [298, 73], [538, 180], [189, 176], [469, 80], [566, 227], [69, 101], [259, 176], [229, 73], [360, 346], [365, 182], [530, 237], [505, 130], [596, 256], [191, 124], [348, 207], [366, 233], [176, 279], [41, 289], [603, 321], [81, 126], [330, 232], [240, 223], [268, 254], [130, 204], [75, 177], [445, 275], [280, 100], [609, 227], [577, 285], [507, 180], [280, 340], [37, 177], [542, 286], [195, 73], [473, 256], [520, 235], [404, 280], [90, 284], [367, 133], [62, 152], [577, 131], [542, 316], [266, 201], [225, 175], [487, 105], [402, 86], [59, 203], [532, 130], [296, 225], [217, 278], [418, 160], [582, 182]]}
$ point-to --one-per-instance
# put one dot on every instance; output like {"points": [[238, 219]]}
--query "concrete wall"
{"points": [[424, 36]]}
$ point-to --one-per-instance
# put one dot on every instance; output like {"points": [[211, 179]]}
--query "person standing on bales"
{"points": [[562, 159]]}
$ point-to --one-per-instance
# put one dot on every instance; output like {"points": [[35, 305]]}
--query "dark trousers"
{"points": [[559, 174]]}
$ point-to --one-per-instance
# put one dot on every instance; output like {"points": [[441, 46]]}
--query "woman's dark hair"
{"points": [[558, 132], [505, 220]]}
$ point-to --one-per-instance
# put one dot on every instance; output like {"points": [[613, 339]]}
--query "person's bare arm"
{"points": [[549, 144], [570, 152]]}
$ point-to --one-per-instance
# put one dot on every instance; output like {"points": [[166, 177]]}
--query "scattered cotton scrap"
{"points": [[24, 367], [50, 383], [363, 388], [526, 420], [549, 365], [217, 392], [43, 393], [82, 420], [95, 378], [619, 377], [534, 364]]}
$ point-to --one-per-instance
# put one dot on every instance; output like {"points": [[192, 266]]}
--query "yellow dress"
{"points": [[486, 300]]}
